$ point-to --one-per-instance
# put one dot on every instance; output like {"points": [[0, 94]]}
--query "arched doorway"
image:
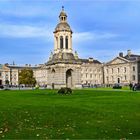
{"points": [[118, 80], [69, 78], [0, 82]]}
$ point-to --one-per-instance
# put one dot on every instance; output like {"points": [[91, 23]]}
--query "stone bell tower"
{"points": [[63, 35], [63, 67]]}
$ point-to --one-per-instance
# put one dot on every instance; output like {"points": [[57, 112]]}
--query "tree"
{"points": [[7, 82], [26, 77]]}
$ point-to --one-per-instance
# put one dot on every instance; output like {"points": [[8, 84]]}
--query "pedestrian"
{"points": [[135, 87], [130, 86]]}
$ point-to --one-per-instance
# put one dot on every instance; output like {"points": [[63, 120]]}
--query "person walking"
{"points": [[135, 87], [130, 86]]}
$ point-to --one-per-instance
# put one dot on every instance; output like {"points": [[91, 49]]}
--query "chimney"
{"points": [[6, 64], [128, 52], [121, 54], [90, 59]]}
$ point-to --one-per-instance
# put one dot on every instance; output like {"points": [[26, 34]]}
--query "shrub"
{"points": [[65, 91], [117, 86], [37, 87], [1, 87]]}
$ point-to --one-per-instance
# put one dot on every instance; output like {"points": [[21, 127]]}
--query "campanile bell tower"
{"points": [[62, 35], [64, 66]]}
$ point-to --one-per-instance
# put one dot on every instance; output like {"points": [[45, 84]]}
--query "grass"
{"points": [[86, 114]]}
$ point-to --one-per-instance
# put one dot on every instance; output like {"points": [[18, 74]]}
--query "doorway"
{"points": [[118, 80], [69, 78]]}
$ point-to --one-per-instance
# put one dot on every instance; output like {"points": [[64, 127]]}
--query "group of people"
{"points": [[134, 86]]}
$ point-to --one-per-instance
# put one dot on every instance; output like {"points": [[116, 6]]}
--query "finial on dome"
{"points": [[62, 8]]}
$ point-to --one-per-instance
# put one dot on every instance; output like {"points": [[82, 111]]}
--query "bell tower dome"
{"points": [[63, 35]]}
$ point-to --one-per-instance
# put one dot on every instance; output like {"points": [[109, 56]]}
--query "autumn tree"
{"points": [[26, 77]]}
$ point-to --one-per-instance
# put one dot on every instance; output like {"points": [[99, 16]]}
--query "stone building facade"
{"points": [[9, 74], [91, 72], [65, 69], [122, 69]]}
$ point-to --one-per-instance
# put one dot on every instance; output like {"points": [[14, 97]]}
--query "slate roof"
{"points": [[87, 61], [132, 57], [68, 58], [22, 67]]}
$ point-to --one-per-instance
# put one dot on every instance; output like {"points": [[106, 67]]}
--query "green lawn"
{"points": [[86, 114]]}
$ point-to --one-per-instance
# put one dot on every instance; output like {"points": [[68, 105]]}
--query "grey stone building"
{"points": [[10, 73], [122, 69]]}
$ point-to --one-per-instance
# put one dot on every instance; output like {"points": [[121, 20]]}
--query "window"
{"points": [[112, 78], [106, 70], [107, 79], [112, 70], [90, 75], [124, 69], [0, 74], [125, 77], [133, 68], [66, 41], [61, 42], [6, 78], [118, 70], [134, 77]]}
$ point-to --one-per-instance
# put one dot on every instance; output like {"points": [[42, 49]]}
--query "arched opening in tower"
{"points": [[66, 41], [61, 42], [69, 78]]}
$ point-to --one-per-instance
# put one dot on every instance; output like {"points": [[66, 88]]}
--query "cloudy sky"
{"points": [[101, 28]]}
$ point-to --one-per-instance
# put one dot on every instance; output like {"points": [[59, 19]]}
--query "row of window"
{"points": [[6, 75], [90, 75], [91, 70], [125, 78], [119, 70], [63, 18]]}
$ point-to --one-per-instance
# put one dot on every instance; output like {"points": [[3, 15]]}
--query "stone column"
{"points": [[70, 42], [55, 44], [64, 43], [58, 45]]}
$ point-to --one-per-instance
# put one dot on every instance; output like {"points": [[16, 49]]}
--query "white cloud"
{"points": [[92, 36], [21, 8], [25, 31]]}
